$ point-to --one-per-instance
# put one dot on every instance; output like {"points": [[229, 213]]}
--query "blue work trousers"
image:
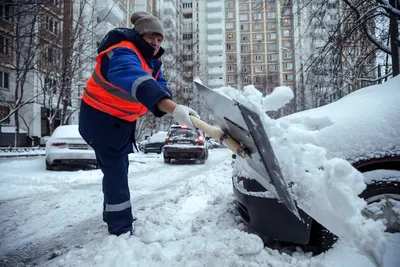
{"points": [[110, 138]]}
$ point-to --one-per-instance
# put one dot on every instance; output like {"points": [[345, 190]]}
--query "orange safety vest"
{"points": [[106, 97]]}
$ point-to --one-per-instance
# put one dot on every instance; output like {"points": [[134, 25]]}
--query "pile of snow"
{"points": [[327, 187]]}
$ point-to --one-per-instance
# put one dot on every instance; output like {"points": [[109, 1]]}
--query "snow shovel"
{"points": [[242, 131]]}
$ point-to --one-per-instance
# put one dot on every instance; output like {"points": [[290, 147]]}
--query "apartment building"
{"points": [[259, 43]]}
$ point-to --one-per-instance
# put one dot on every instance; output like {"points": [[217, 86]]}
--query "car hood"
{"points": [[364, 124]]}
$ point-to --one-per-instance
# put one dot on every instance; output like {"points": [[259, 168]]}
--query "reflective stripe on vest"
{"points": [[108, 98]]}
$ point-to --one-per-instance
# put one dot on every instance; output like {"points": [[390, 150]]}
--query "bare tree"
{"points": [[23, 33]]}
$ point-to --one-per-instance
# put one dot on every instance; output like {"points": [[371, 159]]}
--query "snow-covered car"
{"points": [[67, 147], [183, 142], [155, 143], [212, 143], [362, 128]]}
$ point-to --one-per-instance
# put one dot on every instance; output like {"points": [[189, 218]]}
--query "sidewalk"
{"points": [[22, 152]]}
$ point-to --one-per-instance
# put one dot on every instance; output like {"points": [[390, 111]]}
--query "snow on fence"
{"points": [[6, 152]]}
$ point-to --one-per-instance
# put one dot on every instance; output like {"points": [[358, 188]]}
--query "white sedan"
{"points": [[67, 147]]}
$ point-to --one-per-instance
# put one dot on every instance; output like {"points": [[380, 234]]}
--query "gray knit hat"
{"points": [[144, 22]]}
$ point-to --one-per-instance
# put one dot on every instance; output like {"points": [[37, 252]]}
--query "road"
{"points": [[44, 213]]}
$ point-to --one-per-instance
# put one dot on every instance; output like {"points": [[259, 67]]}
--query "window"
{"points": [[187, 36], [288, 54], [51, 25], [231, 79], [257, 16], [272, 47], [287, 44], [4, 80], [229, 25], [245, 58], [258, 26], [245, 69], [187, 5], [289, 77], [272, 57], [4, 111], [50, 85], [188, 57], [229, 4], [246, 79], [244, 27], [229, 46], [244, 37], [230, 58], [243, 6], [4, 45], [286, 11], [271, 25], [258, 58], [259, 69], [259, 47], [5, 12], [244, 48], [286, 33], [257, 5], [188, 47], [244, 17], [50, 57], [271, 36], [187, 26], [188, 16], [287, 22], [289, 66], [229, 36], [271, 15], [230, 68], [229, 15], [273, 68], [258, 36]]}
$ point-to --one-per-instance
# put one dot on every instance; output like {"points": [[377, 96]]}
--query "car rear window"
{"points": [[182, 132]]}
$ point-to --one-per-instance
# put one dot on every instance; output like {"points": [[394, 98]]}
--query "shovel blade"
{"points": [[245, 126]]}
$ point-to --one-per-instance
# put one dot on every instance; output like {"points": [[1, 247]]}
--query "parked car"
{"points": [[155, 143], [183, 142], [363, 127], [66, 147], [212, 143]]}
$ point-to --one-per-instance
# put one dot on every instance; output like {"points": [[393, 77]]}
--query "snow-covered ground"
{"points": [[185, 217]]}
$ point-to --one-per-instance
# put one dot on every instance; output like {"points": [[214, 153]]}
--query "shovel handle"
{"points": [[217, 134]]}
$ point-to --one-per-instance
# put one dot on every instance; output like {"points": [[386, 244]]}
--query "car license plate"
{"points": [[78, 146], [183, 142]]}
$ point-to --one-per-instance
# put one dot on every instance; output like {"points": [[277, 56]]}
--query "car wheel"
{"points": [[49, 167], [167, 160], [159, 152], [145, 151], [382, 197]]}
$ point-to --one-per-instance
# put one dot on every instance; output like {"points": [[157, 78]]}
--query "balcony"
{"points": [[215, 49], [214, 16], [215, 27], [214, 60], [212, 38], [214, 6], [109, 11], [216, 71], [169, 8], [216, 82]]}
